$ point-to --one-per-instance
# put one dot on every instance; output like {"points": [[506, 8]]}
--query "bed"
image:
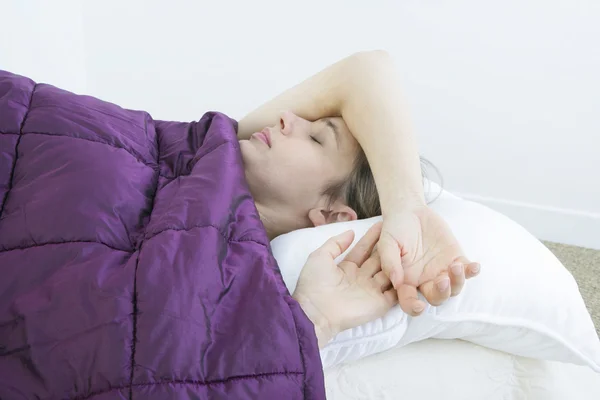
{"points": [[458, 370]]}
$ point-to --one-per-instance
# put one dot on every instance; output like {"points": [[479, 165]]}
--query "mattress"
{"points": [[457, 370]]}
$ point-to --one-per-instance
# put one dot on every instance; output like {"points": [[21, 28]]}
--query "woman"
{"points": [[309, 167], [134, 252]]}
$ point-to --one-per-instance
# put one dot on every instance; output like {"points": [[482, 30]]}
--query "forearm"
{"points": [[316, 97], [373, 108]]}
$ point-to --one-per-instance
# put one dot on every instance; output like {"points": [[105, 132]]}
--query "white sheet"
{"points": [[458, 370]]}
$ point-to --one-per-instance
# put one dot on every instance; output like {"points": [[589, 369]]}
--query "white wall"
{"points": [[505, 95], [44, 41]]}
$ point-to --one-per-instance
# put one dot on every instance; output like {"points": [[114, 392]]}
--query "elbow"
{"points": [[371, 62], [374, 57], [366, 73]]}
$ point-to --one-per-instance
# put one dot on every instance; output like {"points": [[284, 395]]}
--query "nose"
{"points": [[287, 120]]}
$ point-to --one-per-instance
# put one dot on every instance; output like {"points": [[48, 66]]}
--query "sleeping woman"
{"points": [[135, 253]]}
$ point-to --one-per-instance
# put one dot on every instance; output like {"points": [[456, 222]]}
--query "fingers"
{"points": [[409, 301], [460, 270], [437, 291], [457, 278], [472, 270], [449, 283], [381, 281], [363, 249], [335, 246], [391, 260], [372, 266], [391, 297]]}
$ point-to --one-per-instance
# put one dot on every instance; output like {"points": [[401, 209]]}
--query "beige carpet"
{"points": [[584, 264]]}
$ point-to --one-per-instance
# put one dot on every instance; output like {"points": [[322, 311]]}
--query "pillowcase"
{"points": [[523, 302]]}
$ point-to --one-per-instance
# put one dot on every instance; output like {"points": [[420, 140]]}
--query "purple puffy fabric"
{"points": [[133, 263]]}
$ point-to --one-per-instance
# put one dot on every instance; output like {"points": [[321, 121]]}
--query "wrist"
{"points": [[324, 329], [402, 203]]}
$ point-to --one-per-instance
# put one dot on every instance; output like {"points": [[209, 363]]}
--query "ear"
{"points": [[338, 212]]}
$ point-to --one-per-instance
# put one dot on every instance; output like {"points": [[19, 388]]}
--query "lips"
{"points": [[263, 136]]}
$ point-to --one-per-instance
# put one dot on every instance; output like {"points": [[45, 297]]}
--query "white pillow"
{"points": [[523, 302]]}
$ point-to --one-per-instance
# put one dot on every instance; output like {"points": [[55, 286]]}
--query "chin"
{"points": [[252, 179], [246, 150]]}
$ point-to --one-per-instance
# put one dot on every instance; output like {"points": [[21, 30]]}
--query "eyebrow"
{"points": [[335, 130]]}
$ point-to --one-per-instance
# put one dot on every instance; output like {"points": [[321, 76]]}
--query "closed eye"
{"points": [[314, 139]]}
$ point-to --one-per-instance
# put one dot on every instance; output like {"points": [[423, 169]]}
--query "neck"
{"points": [[278, 221], [267, 216]]}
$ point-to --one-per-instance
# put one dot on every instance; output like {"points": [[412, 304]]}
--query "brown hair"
{"points": [[359, 191]]}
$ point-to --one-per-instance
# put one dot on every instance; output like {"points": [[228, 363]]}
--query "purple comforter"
{"points": [[133, 263]]}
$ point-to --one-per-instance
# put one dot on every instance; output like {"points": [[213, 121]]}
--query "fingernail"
{"points": [[457, 269], [475, 268], [443, 284], [393, 279], [417, 308]]}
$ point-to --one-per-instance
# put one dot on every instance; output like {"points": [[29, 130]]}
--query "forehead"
{"points": [[341, 155], [342, 133]]}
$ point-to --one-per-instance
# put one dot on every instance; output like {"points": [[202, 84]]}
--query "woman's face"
{"points": [[288, 167]]}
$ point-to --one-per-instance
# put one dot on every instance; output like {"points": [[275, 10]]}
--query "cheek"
{"points": [[300, 172], [302, 163]]}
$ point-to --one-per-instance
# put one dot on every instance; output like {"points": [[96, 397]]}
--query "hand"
{"points": [[349, 294], [419, 251]]}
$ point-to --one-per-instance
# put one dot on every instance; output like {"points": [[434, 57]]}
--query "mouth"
{"points": [[264, 136]]}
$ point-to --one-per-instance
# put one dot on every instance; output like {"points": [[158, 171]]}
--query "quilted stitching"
{"points": [[99, 195]]}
